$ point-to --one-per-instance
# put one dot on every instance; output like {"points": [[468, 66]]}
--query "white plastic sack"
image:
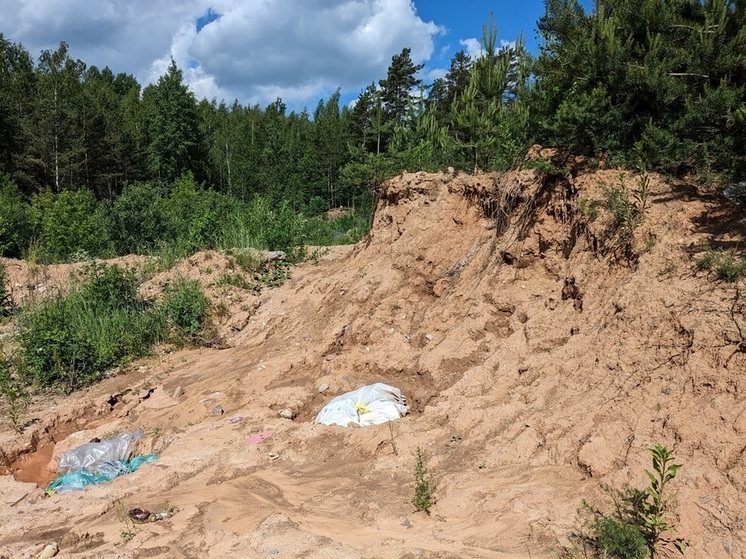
{"points": [[92, 455], [369, 405]]}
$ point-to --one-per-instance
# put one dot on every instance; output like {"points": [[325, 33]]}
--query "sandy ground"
{"points": [[540, 356]]}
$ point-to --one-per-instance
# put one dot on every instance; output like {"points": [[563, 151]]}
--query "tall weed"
{"points": [[641, 525], [185, 308], [6, 299], [13, 391]]}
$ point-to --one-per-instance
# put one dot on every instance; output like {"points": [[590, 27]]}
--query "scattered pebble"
{"points": [[218, 410], [287, 413], [178, 392], [323, 388]]}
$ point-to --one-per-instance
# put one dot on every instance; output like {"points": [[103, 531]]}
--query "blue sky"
{"points": [[258, 50]]}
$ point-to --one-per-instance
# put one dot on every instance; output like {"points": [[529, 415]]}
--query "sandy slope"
{"points": [[540, 359]]}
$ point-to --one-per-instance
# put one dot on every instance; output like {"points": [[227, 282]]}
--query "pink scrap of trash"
{"points": [[256, 438], [235, 419]]}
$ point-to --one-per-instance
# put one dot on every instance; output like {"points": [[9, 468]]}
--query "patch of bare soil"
{"points": [[542, 352]]}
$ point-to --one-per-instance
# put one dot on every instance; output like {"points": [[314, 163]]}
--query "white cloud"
{"points": [[255, 51], [473, 47], [435, 74]]}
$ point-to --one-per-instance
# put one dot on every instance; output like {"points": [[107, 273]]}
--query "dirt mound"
{"points": [[542, 349]]}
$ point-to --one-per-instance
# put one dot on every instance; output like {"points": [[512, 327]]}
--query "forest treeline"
{"points": [[91, 161]]}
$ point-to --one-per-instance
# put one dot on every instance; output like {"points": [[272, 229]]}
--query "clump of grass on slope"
{"points": [[68, 341], [728, 266]]}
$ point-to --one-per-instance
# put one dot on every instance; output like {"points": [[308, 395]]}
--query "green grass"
{"points": [[68, 341], [728, 266], [185, 308]]}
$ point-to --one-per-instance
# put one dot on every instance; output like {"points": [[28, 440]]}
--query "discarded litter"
{"points": [[235, 419], [91, 454], [256, 438], [98, 462], [143, 515], [49, 551], [139, 515], [95, 475], [369, 405]]}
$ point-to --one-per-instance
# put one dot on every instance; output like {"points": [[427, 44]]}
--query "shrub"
{"points": [[13, 391], [196, 216], [423, 484], [641, 524], [728, 266], [71, 222], [265, 225], [53, 351], [620, 540], [6, 300], [111, 287], [69, 341], [247, 259], [15, 220], [138, 219], [185, 307]]}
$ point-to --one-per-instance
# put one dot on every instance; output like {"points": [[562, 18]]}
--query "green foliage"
{"points": [[266, 225], [54, 352], [628, 208], [195, 215], [6, 300], [248, 260], [235, 280], [423, 484], [589, 208], [111, 287], [273, 274], [665, 74], [71, 222], [728, 266], [68, 341], [172, 126], [617, 201], [13, 391], [185, 307], [397, 87], [138, 219], [617, 539], [15, 220], [546, 168], [650, 508], [641, 525], [489, 122], [369, 173], [348, 228]]}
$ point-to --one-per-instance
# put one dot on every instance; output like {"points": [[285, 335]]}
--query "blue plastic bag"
{"points": [[101, 473]]}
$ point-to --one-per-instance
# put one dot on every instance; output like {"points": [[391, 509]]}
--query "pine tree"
{"points": [[16, 94], [399, 85], [667, 74], [172, 126]]}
